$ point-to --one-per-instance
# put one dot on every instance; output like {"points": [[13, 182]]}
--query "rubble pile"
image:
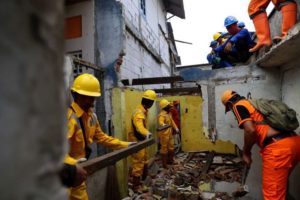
{"points": [[194, 176]]}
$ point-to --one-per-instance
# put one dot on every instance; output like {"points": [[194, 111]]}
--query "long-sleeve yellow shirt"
{"points": [[165, 118], [92, 129], [139, 123]]}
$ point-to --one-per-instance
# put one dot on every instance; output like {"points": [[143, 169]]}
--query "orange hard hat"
{"points": [[227, 95]]}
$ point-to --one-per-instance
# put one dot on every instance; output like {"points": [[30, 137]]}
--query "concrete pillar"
{"points": [[32, 103]]}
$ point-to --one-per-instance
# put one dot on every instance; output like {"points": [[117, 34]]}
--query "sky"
{"points": [[203, 19]]}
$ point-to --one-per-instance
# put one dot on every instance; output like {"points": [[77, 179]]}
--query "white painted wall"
{"points": [[138, 62], [86, 42]]}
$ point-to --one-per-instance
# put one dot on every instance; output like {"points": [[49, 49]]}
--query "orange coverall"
{"points": [[257, 6], [279, 158]]}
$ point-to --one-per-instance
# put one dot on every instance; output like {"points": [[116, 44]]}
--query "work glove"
{"points": [[177, 130], [81, 160], [148, 136], [131, 143], [216, 60], [228, 47]]}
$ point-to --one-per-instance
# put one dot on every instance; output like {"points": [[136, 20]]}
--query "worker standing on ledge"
{"points": [[84, 128], [166, 135], [280, 150], [257, 12], [139, 132]]}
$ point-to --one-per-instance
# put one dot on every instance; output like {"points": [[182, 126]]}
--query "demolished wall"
{"points": [[32, 103]]}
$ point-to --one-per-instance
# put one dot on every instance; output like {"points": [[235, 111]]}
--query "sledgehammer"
{"points": [[243, 189]]}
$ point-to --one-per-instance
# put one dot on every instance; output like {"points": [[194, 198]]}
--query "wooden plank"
{"points": [[209, 160], [180, 90], [151, 81], [86, 64], [98, 163]]}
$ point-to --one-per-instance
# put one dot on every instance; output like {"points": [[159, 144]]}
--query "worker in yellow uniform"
{"points": [[84, 128], [71, 174], [166, 124], [139, 132]]}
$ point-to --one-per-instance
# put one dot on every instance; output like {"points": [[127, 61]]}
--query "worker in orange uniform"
{"points": [[280, 151], [84, 128], [166, 134], [257, 12], [139, 132]]}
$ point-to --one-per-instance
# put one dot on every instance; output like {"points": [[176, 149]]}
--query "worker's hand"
{"points": [[177, 131], [131, 143], [247, 159], [80, 176], [148, 136], [228, 47]]}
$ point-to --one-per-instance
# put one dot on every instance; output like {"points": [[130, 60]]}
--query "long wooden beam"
{"points": [[153, 80], [100, 162]]}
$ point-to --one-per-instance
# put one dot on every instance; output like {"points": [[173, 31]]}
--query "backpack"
{"points": [[277, 114]]}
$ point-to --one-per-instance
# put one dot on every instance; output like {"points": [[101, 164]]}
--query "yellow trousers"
{"points": [[78, 193], [166, 142], [139, 159]]}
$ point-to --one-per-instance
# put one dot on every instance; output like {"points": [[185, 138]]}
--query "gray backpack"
{"points": [[277, 114]]}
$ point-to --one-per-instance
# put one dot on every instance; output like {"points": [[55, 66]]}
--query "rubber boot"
{"points": [[145, 172], [170, 157], [136, 182], [289, 19], [262, 29], [164, 160]]}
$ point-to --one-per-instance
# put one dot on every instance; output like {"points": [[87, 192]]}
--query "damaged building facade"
{"points": [[128, 39], [274, 75]]}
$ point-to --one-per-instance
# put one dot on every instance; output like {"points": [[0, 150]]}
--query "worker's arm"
{"points": [[138, 122], [173, 124], [249, 140], [71, 174], [161, 120], [108, 141], [243, 34]]}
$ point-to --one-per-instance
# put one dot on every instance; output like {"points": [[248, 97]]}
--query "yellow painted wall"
{"points": [[194, 139], [124, 102], [192, 132]]}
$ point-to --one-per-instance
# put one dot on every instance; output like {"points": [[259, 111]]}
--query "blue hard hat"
{"points": [[213, 43], [241, 24], [230, 20]]}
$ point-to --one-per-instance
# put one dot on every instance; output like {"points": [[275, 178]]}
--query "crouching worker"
{"points": [[214, 59], [84, 128], [273, 133], [236, 48], [166, 125], [139, 132]]}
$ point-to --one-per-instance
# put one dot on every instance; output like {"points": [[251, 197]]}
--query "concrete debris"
{"points": [[186, 180]]}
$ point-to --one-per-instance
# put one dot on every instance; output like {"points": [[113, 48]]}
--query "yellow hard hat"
{"points": [[149, 94], [86, 84], [227, 95], [217, 35], [164, 103]]}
